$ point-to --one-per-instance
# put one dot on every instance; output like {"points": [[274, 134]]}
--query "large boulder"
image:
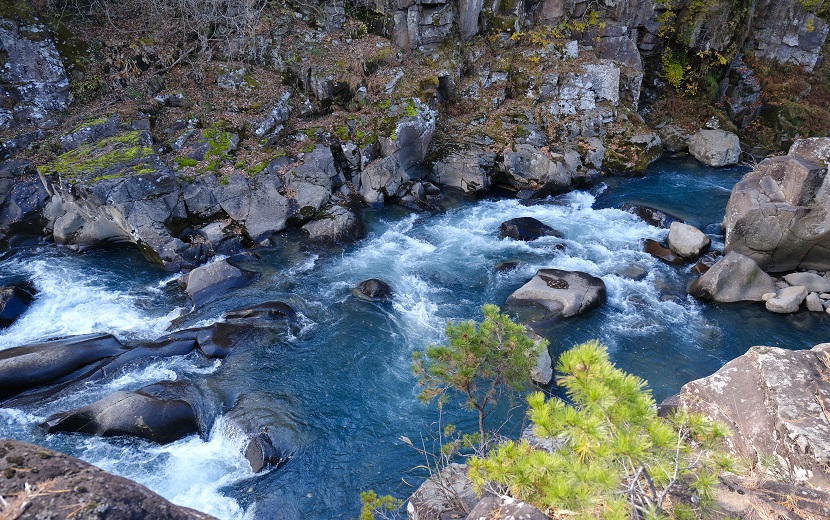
{"points": [[562, 293], [716, 148], [775, 403], [687, 241], [53, 485], [209, 282], [335, 225], [733, 278], [467, 166], [779, 213], [139, 414]]}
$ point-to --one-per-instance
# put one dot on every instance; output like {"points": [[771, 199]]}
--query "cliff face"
{"points": [[174, 130]]}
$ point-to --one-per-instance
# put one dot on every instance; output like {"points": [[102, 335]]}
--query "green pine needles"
{"points": [[615, 458], [478, 362]]}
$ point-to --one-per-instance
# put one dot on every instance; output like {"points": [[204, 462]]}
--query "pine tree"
{"points": [[478, 362]]}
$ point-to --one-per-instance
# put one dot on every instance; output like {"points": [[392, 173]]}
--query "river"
{"points": [[339, 380]]}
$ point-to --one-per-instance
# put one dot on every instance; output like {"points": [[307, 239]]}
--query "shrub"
{"points": [[477, 362], [615, 458]]}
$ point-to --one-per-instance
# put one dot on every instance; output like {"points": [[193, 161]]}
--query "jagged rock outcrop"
{"points": [[774, 402], [33, 82], [42, 483], [779, 213]]}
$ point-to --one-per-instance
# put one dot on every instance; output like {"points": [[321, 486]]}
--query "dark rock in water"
{"points": [[174, 345], [14, 300], [561, 293], [659, 252], [31, 366], [652, 216], [21, 210], [39, 469], [139, 414], [507, 265], [221, 339], [209, 282], [527, 229], [373, 290], [272, 433], [706, 262], [260, 311]]}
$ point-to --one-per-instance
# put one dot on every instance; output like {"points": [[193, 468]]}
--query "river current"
{"points": [[340, 380]]}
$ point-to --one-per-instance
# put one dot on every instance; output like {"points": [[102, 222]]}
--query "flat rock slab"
{"points": [[787, 300], [813, 282], [59, 484], [563, 293], [777, 403]]}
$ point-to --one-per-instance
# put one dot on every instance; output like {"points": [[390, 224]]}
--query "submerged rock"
{"points": [[14, 300], [661, 253], [373, 290], [56, 484], [653, 216], [527, 229], [271, 432]]}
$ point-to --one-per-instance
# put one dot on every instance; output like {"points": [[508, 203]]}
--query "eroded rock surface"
{"points": [[779, 213], [775, 401], [562, 293], [59, 484], [733, 278]]}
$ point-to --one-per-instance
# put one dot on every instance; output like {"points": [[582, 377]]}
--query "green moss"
{"points": [[307, 148], [185, 162], [105, 159], [258, 168], [91, 122], [342, 132], [410, 109]]}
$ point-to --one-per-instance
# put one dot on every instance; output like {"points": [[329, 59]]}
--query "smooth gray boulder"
{"points": [[733, 278], [716, 148], [687, 241], [779, 214], [563, 293], [775, 403], [813, 282], [787, 300], [211, 281]]}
